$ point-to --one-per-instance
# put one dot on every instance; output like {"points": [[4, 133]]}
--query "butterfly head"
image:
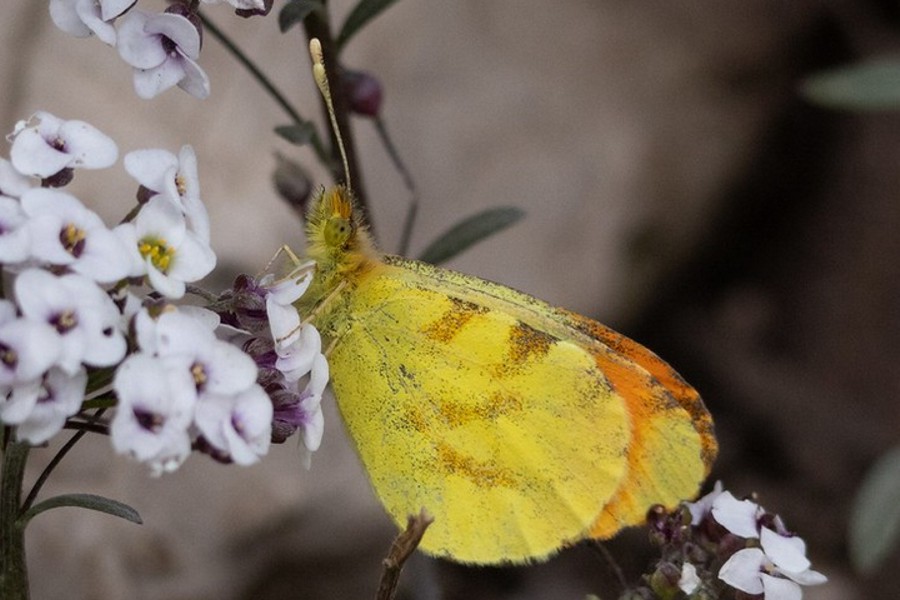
{"points": [[337, 236]]}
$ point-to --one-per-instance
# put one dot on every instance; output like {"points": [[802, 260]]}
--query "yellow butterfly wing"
{"points": [[519, 427]]}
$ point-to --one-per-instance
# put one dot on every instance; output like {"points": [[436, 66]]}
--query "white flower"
{"points": [[162, 248], [703, 506], [284, 320], [155, 407], [63, 232], [239, 424], [12, 183], [304, 410], [45, 145], [15, 239], [777, 570], [296, 360], [27, 347], [740, 517], [216, 367], [162, 48], [689, 581], [82, 18], [39, 409], [85, 318], [174, 177]]}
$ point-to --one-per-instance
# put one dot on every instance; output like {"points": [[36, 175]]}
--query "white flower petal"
{"points": [[178, 29], [65, 16], [151, 167], [737, 516], [136, 47], [787, 553], [195, 81], [88, 146], [32, 155], [689, 580], [742, 570], [62, 395], [775, 588], [12, 183]]}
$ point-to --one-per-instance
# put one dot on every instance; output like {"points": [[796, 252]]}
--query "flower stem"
{"points": [[267, 85], [13, 569]]}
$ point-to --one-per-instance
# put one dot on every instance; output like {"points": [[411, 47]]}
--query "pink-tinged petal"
{"points": [[742, 570], [195, 81], [138, 48], [32, 155], [775, 588], [787, 553], [88, 146], [178, 29]]}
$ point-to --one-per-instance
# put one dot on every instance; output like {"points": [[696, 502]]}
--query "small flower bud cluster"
{"points": [[724, 548], [79, 330], [288, 352], [162, 48]]}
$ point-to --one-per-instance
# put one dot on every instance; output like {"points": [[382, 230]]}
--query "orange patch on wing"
{"points": [[658, 401], [444, 328], [481, 473]]}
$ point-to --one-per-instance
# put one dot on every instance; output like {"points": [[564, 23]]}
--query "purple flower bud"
{"points": [[363, 91]]}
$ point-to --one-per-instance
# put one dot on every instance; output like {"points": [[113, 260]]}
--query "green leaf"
{"points": [[873, 85], [88, 501], [469, 232], [299, 135], [875, 516], [362, 13], [295, 11]]}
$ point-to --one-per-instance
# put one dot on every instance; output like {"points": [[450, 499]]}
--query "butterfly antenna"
{"points": [[321, 77]]}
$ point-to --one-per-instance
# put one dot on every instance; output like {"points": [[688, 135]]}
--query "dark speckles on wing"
{"points": [[525, 343], [448, 325]]}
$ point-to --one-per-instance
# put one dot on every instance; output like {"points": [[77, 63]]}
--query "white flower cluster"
{"points": [[773, 564], [162, 48], [75, 315]]}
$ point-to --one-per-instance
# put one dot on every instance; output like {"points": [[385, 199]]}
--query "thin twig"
{"points": [[413, 209], [39, 483], [266, 83], [404, 545], [604, 552]]}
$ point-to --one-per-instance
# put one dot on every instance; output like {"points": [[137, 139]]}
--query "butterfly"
{"points": [[522, 428]]}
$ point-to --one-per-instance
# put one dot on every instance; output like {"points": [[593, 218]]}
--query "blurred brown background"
{"points": [[677, 188]]}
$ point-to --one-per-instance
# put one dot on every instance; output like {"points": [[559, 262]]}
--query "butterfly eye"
{"points": [[338, 231]]}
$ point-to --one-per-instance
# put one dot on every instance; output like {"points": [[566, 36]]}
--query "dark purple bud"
{"points": [[252, 12], [363, 91], [59, 179], [248, 304], [293, 183]]}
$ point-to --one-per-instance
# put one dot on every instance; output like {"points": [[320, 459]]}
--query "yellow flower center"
{"points": [[159, 253], [180, 185], [72, 239]]}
